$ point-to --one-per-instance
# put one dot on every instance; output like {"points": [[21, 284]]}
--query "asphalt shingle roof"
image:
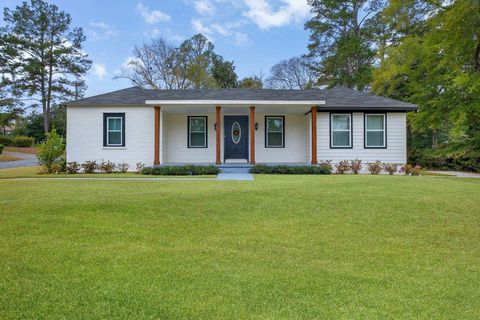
{"points": [[337, 98]]}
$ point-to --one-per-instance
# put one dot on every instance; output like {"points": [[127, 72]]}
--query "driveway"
{"points": [[28, 160]]}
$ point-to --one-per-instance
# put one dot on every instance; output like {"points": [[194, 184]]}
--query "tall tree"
{"points": [[339, 43], [44, 56], [194, 64], [438, 68], [253, 82], [294, 73], [223, 72]]}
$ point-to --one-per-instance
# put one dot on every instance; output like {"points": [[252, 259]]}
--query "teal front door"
{"points": [[236, 137]]}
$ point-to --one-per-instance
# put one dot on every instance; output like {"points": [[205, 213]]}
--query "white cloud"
{"points": [[100, 31], [241, 39], [204, 7], [100, 70], [198, 26], [151, 16], [262, 13]]}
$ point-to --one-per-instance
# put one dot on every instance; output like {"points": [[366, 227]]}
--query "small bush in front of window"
{"points": [[356, 165], [325, 167], [343, 166], [140, 165], [375, 167], [73, 167], [186, 170], [122, 167], [390, 168], [107, 166], [89, 166]]}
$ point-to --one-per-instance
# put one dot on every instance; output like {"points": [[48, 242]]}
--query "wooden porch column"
{"points": [[156, 152], [218, 128], [314, 134], [252, 135]]}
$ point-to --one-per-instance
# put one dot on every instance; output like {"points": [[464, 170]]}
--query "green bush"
{"points": [[1, 148], [187, 170], [50, 153], [22, 141], [324, 168], [5, 140]]}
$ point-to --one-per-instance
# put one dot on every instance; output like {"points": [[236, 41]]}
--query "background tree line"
{"points": [[423, 51]]}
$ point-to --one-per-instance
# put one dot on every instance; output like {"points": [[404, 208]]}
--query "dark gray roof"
{"points": [[337, 98]]}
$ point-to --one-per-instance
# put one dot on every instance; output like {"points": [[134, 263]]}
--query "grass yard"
{"points": [[279, 247], [5, 158]]}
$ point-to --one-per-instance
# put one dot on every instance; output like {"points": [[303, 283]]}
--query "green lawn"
{"points": [[279, 247]]}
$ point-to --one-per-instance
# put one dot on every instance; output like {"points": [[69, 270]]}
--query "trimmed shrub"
{"points": [[1, 148], [416, 170], [22, 141], [122, 167], [375, 167], [187, 170], [140, 166], [73, 167], [51, 151], [282, 169], [107, 166], [408, 169], [343, 166], [5, 140], [89, 166], [325, 167], [356, 165], [391, 168]]}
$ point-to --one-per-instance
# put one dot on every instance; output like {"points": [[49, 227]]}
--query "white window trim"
{"points": [[108, 131], [376, 130], [341, 130], [267, 144], [204, 131]]}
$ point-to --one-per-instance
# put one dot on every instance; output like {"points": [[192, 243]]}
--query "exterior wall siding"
{"points": [[396, 151], [85, 135], [296, 140], [176, 139]]}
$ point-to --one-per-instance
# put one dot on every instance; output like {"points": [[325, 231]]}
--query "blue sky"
{"points": [[256, 34]]}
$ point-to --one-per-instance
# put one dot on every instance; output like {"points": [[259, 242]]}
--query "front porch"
{"points": [[235, 135]]}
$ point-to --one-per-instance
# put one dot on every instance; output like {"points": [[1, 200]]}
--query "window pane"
{"points": [[341, 138], [275, 139], [114, 137], [197, 139], [275, 124], [375, 122], [341, 122], [114, 124], [197, 124], [375, 139]]}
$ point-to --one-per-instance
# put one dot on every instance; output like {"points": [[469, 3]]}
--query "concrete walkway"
{"points": [[235, 176], [28, 160], [457, 174]]}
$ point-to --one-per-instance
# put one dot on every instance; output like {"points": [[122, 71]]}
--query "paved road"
{"points": [[28, 160], [458, 174]]}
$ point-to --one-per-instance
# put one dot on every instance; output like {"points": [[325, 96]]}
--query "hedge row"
{"points": [[282, 169], [16, 141], [187, 170]]}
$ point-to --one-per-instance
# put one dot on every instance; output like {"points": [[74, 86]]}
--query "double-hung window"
{"points": [[114, 129], [274, 132], [375, 130], [197, 132], [340, 130]]}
